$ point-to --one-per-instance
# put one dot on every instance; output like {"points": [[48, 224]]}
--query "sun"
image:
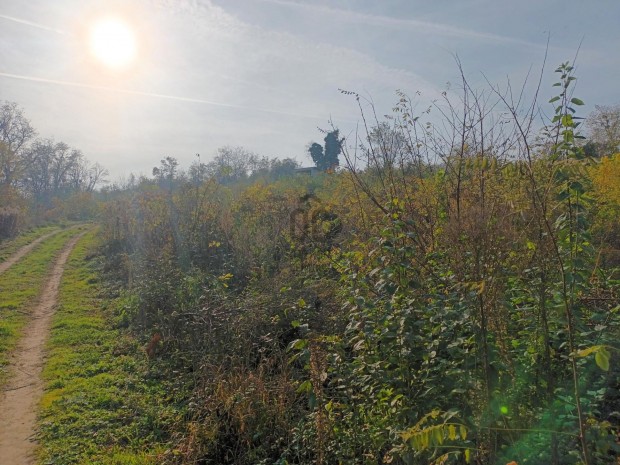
{"points": [[113, 43]]}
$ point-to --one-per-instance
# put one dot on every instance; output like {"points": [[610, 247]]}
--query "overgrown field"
{"points": [[451, 296]]}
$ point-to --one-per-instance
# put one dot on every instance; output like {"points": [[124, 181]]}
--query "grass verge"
{"points": [[104, 401], [20, 286], [8, 248]]}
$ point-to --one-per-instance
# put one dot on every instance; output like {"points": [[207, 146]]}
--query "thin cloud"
{"points": [[155, 95], [33, 24], [388, 21]]}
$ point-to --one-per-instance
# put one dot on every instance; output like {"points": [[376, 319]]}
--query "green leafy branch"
{"points": [[601, 355], [424, 437]]}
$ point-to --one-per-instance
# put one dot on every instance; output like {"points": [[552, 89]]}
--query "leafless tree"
{"points": [[15, 133]]}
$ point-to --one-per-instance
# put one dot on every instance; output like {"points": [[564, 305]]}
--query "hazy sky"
{"points": [[264, 74]]}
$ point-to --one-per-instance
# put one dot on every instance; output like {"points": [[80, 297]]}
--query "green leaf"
{"points": [[563, 195], [298, 344], [425, 438], [312, 401], [577, 186], [576, 101], [438, 436], [602, 359], [567, 121], [554, 99], [306, 386]]}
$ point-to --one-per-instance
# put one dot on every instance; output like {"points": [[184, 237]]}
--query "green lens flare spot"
{"points": [[504, 410]]}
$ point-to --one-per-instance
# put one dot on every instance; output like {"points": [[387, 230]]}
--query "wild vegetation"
{"points": [[451, 296], [448, 295]]}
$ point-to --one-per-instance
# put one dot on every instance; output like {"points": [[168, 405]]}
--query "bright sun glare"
{"points": [[113, 42]]}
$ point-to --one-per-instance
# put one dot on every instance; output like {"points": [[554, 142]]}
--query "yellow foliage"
{"points": [[606, 181]]}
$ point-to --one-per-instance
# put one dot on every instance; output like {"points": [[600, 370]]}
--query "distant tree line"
{"points": [[39, 169], [40, 179], [230, 166], [235, 164]]}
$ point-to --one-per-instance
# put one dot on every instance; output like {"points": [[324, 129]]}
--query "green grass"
{"points": [[104, 401], [20, 286], [8, 248]]}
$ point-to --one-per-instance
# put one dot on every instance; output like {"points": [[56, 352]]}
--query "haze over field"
{"points": [[264, 74]]}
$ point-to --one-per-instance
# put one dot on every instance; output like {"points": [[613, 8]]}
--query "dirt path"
{"points": [[20, 396], [13, 259]]}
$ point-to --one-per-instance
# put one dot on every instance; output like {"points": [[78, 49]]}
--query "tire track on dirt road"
{"points": [[20, 396]]}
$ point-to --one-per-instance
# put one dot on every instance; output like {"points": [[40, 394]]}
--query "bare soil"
{"points": [[20, 396]]}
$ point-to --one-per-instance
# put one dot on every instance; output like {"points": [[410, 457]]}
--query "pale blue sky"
{"points": [[265, 73]]}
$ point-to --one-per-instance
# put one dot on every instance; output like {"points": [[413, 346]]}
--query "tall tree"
{"points": [[333, 147], [316, 152], [15, 133], [326, 158], [166, 172]]}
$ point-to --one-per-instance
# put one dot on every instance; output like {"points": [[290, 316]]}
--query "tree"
{"points": [[166, 172], [198, 172], [37, 181], [282, 168], [316, 152], [54, 169], [232, 164], [96, 175], [64, 159], [333, 147], [604, 130], [15, 133], [327, 159]]}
